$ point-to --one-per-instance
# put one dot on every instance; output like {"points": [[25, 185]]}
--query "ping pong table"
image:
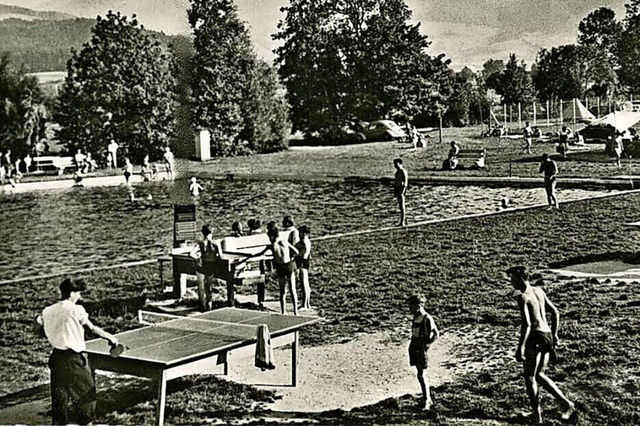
{"points": [[175, 346]]}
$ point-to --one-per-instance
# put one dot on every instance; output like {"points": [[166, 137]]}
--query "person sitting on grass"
{"points": [[537, 341], [423, 333], [254, 226], [451, 163]]}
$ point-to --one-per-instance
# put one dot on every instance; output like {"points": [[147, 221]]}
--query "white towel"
{"points": [[264, 352]]}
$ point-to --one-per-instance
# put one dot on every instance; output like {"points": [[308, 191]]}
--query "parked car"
{"points": [[381, 130]]}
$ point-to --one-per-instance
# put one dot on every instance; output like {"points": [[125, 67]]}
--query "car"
{"points": [[380, 130]]}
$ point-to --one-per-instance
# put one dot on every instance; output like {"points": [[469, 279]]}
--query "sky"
{"points": [[468, 31]]}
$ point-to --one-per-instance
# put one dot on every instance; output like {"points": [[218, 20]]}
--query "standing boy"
{"points": [[550, 170], [302, 262], [537, 341], [527, 133], [400, 184], [73, 391], [423, 333]]}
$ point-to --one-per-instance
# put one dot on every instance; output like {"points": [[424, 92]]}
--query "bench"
{"points": [[59, 164], [476, 154], [228, 267]]}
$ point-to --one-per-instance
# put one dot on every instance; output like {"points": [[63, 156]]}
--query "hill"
{"points": [[11, 12]]}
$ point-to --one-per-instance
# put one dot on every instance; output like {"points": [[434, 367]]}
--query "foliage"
{"points": [[468, 103], [491, 71], [22, 112], [184, 71], [515, 83], [349, 60], [600, 29], [237, 98], [119, 86], [628, 48]]}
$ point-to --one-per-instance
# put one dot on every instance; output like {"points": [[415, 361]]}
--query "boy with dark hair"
{"points": [[302, 262], [401, 181], [537, 341], [423, 333], [73, 391]]}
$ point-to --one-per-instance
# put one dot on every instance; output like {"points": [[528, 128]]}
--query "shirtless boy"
{"points": [[400, 189], [537, 341]]}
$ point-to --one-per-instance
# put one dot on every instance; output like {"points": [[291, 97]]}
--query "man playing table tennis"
{"points": [[73, 391]]}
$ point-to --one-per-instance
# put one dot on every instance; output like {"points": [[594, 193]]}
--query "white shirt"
{"points": [[64, 325]]}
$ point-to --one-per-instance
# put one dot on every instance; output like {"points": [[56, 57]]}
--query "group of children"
{"points": [[291, 250]]}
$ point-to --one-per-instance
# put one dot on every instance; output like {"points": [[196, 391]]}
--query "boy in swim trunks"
{"points": [[423, 333], [302, 262], [400, 188], [537, 341]]}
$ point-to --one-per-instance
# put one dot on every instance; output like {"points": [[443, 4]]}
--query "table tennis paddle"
{"points": [[117, 350]]}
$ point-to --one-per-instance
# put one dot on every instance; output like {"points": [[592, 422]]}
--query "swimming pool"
{"points": [[55, 232]]}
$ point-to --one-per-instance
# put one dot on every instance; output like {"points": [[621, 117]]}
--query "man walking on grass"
{"points": [[550, 170], [537, 342], [400, 184]]}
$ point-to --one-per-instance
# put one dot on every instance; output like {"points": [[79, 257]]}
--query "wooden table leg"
{"points": [[162, 397], [231, 293], [294, 360]]}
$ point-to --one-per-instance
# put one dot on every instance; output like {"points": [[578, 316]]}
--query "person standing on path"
{"points": [[73, 391], [112, 154], [550, 170], [618, 149], [423, 333], [169, 163], [527, 133], [400, 189], [128, 171], [537, 341]]}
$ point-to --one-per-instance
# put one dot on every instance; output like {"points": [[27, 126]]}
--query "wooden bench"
{"points": [[475, 154], [228, 267], [59, 164]]}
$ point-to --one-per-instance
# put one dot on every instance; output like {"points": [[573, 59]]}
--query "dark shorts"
{"points": [[302, 263], [284, 269], [127, 175], [398, 191], [538, 342], [418, 354], [206, 268], [73, 391]]}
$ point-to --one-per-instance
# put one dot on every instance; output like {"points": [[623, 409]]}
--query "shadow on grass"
{"points": [[626, 257]]}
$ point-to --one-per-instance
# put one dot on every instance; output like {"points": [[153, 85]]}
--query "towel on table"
{"points": [[264, 352]]}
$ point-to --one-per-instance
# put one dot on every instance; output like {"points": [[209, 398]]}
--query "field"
{"points": [[360, 284]]}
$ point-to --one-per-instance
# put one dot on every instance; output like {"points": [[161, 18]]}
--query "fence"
{"points": [[553, 114]]}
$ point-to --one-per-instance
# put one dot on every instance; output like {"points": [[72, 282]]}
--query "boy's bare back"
{"points": [[534, 300]]}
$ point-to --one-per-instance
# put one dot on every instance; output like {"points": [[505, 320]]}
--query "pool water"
{"points": [[55, 232]]}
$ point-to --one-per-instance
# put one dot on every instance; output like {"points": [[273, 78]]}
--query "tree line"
{"points": [[338, 62]]}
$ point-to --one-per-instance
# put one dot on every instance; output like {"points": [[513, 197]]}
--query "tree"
{"points": [[22, 110], [491, 71], [560, 73], [600, 29], [119, 86], [628, 48], [515, 82], [237, 98], [349, 60]]}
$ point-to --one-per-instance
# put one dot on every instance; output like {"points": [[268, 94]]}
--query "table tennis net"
{"points": [[198, 325]]}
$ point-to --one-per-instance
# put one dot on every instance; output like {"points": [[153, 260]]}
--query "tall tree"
{"points": [[628, 48], [515, 82], [22, 110], [491, 71], [600, 29], [236, 97], [347, 60], [119, 86]]}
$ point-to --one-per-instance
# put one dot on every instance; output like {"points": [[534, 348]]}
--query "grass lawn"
{"points": [[360, 284]]}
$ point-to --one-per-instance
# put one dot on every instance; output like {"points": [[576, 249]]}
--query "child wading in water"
{"points": [[423, 333]]}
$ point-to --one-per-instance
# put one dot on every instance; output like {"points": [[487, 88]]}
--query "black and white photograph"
{"points": [[319, 212]]}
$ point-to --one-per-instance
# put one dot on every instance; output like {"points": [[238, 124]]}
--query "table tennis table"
{"points": [[176, 346]]}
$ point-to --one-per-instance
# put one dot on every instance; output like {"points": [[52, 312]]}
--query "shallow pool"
{"points": [[53, 232]]}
